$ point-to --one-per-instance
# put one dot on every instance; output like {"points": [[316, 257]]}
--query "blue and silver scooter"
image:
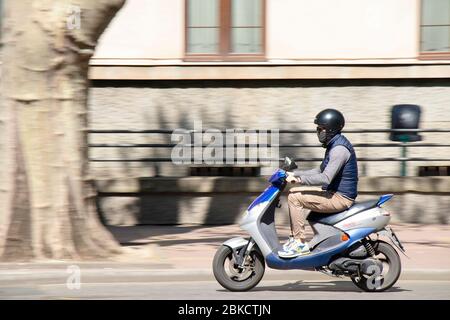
{"points": [[342, 245]]}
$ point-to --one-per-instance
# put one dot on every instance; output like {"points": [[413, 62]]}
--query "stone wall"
{"points": [[271, 104], [208, 200]]}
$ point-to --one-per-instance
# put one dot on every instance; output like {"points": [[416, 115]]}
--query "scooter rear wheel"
{"points": [[233, 278], [391, 270]]}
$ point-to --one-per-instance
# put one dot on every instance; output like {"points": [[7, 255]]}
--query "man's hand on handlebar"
{"points": [[291, 178]]}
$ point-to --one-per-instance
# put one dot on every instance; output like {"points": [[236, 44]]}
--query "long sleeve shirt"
{"points": [[338, 157]]}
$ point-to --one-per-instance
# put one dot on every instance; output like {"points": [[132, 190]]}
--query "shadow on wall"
{"points": [[295, 138], [211, 209], [217, 209], [226, 208], [176, 208], [163, 209]]}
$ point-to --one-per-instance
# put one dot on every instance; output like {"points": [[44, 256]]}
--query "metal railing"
{"points": [[292, 145]]}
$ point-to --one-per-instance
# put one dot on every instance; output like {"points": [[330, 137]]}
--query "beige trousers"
{"points": [[301, 204]]}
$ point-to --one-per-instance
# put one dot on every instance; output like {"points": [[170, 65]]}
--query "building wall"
{"points": [[359, 56], [288, 104], [208, 200], [145, 29], [295, 29], [321, 39], [227, 208], [342, 29]]}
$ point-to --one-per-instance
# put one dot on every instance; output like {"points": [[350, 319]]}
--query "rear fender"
{"points": [[388, 233]]}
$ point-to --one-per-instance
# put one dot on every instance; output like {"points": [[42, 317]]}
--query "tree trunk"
{"points": [[47, 199]]}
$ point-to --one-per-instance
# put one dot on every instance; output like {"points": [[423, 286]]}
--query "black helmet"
{"points": [[332, 120]]}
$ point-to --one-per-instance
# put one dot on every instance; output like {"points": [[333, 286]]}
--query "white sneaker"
{"points": [[288, 243], [298, 248]]}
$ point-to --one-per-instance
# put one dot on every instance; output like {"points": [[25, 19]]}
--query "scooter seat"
{"points": [[333, 218]]}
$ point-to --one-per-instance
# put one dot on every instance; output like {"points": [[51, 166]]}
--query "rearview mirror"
{"points": [[289, 164]]}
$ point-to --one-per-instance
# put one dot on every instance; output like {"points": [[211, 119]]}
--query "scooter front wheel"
{"points": [[233, 278]]}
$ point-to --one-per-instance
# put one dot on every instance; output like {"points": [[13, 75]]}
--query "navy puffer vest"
{"points": [[346, 180]]}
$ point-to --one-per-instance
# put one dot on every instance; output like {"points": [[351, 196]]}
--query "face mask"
{"points": [[322, 135]]}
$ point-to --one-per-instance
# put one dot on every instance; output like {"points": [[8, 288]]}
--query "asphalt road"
{"points": [[193, 290]]}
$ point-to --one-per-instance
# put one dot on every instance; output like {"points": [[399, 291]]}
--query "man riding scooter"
{"points": [[337, 174]]}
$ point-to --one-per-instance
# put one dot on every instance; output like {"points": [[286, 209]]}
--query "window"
{"points": [[225, 30], [435, 29]]}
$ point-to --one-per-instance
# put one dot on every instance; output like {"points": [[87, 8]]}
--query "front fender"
{"points": [[235, 243]]}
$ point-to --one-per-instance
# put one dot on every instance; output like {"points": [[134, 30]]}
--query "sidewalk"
{"points": [[180, 253]]}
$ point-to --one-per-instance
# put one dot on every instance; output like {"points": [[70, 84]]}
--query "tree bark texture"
{"points": [[47, 199]]}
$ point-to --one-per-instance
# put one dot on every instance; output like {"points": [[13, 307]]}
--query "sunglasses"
{"points": [[319, 129]]}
